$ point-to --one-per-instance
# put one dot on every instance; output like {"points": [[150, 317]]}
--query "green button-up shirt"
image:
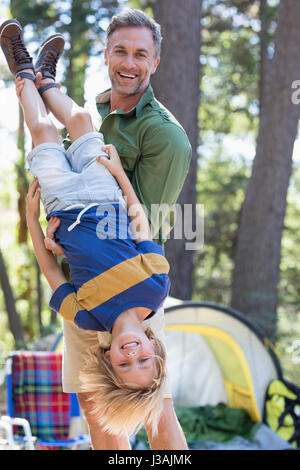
{"points": [[154, 150]]}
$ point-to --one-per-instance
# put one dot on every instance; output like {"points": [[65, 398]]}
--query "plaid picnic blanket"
{"points": [[37, 394]]}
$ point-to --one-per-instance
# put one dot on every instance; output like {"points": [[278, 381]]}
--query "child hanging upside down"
{"points": [[119, 275]]}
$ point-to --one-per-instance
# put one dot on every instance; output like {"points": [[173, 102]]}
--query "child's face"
{"points": [[131, 356]]}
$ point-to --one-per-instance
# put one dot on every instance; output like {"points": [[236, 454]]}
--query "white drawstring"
{"points": [[77, 221], [73, 206]]}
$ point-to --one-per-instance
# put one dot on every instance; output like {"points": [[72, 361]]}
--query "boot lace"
{"points": [[20, 52], [49, 61]]}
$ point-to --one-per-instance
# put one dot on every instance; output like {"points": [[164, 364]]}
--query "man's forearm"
{"points": [[45, 258]]}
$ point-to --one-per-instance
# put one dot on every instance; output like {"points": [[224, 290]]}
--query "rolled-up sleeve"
{"points": [[64, 301]]}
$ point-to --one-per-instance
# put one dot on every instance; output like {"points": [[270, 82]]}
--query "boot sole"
{"points": [[49, 39]]}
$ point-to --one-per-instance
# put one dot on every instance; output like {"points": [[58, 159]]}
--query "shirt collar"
{"points": [[103, 103]]}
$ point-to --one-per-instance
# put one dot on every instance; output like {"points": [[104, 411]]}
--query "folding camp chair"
{"points": [[34, 393]]}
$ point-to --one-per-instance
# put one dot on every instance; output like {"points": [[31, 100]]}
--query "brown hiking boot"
{"points": [[49, 53], [13, 47]]}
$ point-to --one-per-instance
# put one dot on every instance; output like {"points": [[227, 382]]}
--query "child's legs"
{"points": [[77, 121], [96, 178], [47, 161], [40, 126], [49, 164], [86, 145], [85, 150]]}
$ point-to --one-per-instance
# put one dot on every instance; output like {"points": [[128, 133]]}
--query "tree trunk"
{"points": [[264, 74], [257, 260], [176, 84], [13, 317]]}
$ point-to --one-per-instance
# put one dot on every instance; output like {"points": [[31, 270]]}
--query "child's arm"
{"points": [[140, 224], [46, 259]]}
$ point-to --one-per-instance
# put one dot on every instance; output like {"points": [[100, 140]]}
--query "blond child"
{"points": [[119, 275]]}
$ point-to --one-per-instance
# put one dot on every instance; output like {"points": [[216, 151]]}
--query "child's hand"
{"points": [[33, 200], [113, 164], [19, 83], [39, 79], [49, 241]]}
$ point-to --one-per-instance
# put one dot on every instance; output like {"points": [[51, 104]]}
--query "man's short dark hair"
{"points": [[139, 19]]}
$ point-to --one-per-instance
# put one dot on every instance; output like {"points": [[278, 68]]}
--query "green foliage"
{"points": [[290, 274], [288, 289], [230, 69], [229, 108], [41, 14], [222, 181], [144, 5]]}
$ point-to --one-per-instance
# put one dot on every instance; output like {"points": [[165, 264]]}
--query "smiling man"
{"points": [[155, 154], [129, 65]]}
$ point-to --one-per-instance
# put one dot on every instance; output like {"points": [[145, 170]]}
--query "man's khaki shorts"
{"points": [[79, 343]]}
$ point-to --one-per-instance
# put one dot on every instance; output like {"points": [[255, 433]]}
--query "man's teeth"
{"points": [[127, 75]]}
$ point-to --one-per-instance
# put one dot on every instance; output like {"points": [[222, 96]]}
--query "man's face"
{"points": [[130, 56], [131, 356]]}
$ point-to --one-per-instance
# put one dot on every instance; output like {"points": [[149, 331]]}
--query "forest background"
{"points": [[228, 72]]}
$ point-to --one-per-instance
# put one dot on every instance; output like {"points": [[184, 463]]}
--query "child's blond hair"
{"points": [[122, 408]]}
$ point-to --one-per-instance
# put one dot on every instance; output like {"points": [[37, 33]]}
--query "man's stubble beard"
{"points": [[140, 86]]}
